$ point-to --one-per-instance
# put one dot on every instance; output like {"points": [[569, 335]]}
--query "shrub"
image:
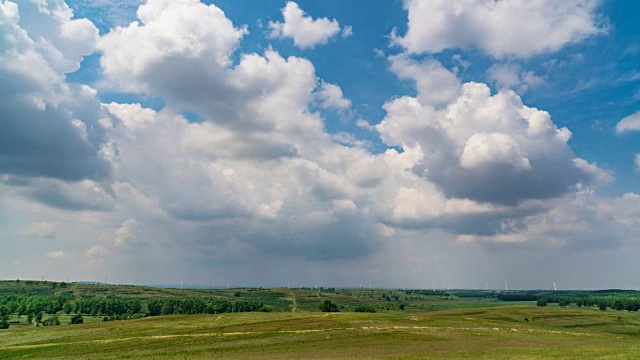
{"points": [[327, 306], [77, 319], [51, 321]]}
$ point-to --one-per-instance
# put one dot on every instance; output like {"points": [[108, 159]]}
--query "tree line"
{"points": [[36, 305]]}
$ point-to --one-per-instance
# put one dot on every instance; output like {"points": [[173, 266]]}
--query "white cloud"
{"points": [[487, 148], [483, 150], [364, 124], [510, 76], [260, 179], [496, 27], [577, 222], [200, 35], [40, 43], [347, 31], [61, 40], [435, 84], [96, 255], [629, 123], [637, 162], [305, 31], [124, 234], [57, 254], [331, 96], [74, 196]]}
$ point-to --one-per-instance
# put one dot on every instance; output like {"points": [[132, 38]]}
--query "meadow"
{"points": [[437, 326]]}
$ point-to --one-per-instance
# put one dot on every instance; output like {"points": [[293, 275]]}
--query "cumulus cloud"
{"points": [[629, 123], [435, 84], [241, 198], [510, 76], [38, 105], [200, 36], [578, 222], [124, 234], [487, 148], [305, 31], [73, 196], [331, 96], [260, 178], [247, 101], [260, 163], [95, 255], [496, 27]]}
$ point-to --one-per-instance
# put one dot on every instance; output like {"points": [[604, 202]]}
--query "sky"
{"points": [[422, 144]]}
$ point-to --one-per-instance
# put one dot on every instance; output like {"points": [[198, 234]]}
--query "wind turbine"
{"points": [[181, 284], [506, 286], [486, 286], [554, 286]]}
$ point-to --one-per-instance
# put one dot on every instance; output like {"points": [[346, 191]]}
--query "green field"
{"points": [[406, 325], [483, 333]]}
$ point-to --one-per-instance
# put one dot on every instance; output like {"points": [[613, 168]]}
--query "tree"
{"points": [[51, 321], [564, 302], [68, 307], [4, 322], [542, 302], [602, 305], [77, 319], [327, 306]]}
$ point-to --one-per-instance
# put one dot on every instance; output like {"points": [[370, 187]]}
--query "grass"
{"points": [[431, 327], [479, 333]]}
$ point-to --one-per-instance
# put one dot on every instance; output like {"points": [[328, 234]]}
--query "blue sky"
{"points": [[403, 143]]}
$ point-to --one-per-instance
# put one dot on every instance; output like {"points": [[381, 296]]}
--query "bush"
{"points": [[77, 319], [365, 308], [266, 308], [4, 323], [327, 306], [51, 321], [541, 302]]}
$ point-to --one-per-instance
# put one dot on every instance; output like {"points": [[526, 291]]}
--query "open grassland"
{"points": [[480, 333]]}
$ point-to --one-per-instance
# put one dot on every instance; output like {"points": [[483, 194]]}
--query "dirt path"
{"points": [[293, 300]]}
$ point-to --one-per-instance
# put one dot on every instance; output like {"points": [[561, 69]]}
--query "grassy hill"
{"points": [[405, 325], [484, 333]]}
